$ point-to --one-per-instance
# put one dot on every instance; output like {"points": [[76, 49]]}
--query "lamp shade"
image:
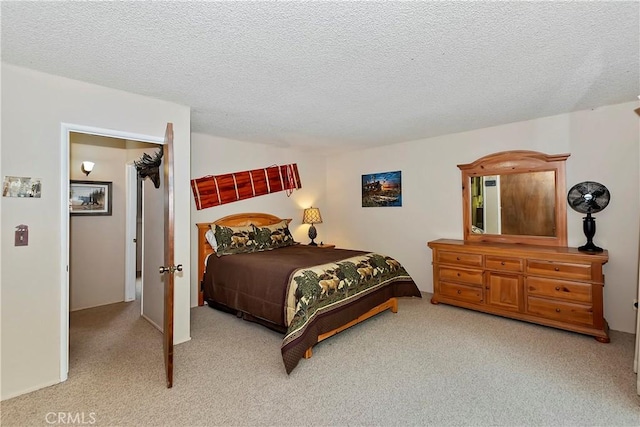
{"points": [[311, 216], [87, 167]]}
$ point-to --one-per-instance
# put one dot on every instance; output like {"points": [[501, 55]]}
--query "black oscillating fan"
{"points": [[589, 197]]}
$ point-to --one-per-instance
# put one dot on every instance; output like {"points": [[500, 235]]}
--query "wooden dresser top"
{"points": [[518, 250]]}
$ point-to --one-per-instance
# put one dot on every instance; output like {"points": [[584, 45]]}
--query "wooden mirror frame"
{"points": [[517, 161]]}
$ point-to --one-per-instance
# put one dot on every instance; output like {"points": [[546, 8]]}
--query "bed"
{"points": [[307, 293]]}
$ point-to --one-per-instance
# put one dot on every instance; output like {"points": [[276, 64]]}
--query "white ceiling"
{"points": [[335, 75]]}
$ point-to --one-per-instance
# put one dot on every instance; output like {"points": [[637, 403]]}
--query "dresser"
{"points": [[553, 286]]}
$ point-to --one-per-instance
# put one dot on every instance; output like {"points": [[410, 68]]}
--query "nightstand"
{"points": [[326, 246]]}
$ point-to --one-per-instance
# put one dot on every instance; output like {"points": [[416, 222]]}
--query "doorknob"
{"points": [[171, 269]]}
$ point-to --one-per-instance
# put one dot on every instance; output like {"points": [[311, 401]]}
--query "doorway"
{"points": [[97, 265], [68, 130]]}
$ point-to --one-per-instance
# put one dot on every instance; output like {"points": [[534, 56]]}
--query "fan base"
{"points": [[590, 247], [589, 228]]}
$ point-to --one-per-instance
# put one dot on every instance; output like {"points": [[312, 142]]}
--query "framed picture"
{"points": [[90, 198], [21, 186], [382, 189]]}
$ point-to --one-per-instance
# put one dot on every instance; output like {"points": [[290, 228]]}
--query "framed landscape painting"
{"points": [[382, 189], [90, 198]]}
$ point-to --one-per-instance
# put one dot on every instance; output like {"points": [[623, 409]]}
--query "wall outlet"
{"points": [[22, 235]]}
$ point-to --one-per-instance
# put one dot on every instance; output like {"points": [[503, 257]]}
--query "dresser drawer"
{"points": [[561, 270], [579, 292], [457, 258], [503, 263], [469, 276], [581, 314], [461, 292]]}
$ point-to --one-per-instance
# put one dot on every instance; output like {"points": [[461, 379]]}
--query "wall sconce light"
{"points": [[312, 216], [87, 167]]}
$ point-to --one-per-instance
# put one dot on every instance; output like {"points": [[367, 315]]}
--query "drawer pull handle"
{"points": [[459, 291], [557, 310], [457, 258], [557, 288], [557, 269], [458, 274]]}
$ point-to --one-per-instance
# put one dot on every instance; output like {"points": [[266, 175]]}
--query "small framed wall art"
{"points": [[382, 189], [90, 198], [21, 186]]}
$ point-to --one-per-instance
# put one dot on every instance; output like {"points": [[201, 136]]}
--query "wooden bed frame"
{"points": [[261, 219]]}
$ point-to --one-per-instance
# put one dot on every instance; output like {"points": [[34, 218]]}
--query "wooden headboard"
{"points": [[235, 220]]}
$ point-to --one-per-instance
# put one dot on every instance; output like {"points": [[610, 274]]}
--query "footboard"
{"points": [[391, 303]]}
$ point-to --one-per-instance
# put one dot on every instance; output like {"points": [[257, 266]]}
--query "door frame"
{"points": [[130, 232], [65, 130]]}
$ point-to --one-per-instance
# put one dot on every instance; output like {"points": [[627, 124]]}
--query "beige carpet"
{"points": [[425, 365]]}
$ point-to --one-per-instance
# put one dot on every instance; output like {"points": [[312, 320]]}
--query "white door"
{"points": [[153, 251]]}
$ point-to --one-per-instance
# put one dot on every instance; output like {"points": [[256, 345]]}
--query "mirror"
{"points": [[515, 197], [518, 203]]}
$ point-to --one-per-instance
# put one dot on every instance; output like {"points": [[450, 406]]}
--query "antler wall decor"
{"points": [[149, 166]]}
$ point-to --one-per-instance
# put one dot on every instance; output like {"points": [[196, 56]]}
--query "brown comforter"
{"points": [[255, 285]]}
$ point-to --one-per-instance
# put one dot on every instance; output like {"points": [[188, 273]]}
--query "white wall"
{"points": [[214, 156], [96, 269], [34, 107], [604, 147]]}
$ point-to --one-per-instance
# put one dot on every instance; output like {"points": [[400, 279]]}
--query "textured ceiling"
{"points": [[336, 75]]}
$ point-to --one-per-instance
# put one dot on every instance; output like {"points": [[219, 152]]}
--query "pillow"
{"points": [[234, 240], [273, 236], [211, 238]]}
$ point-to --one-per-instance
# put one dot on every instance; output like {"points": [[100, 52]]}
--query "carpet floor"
{"points": [[425, 365]]}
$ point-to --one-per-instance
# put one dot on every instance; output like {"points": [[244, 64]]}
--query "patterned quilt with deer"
{"points": [[315, 290]]}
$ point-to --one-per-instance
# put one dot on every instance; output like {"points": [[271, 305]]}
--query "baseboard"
{"points": [[158, 327], [29, 390]]}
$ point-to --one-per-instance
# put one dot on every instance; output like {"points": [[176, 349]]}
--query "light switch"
{"points": [[22, 235]]}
